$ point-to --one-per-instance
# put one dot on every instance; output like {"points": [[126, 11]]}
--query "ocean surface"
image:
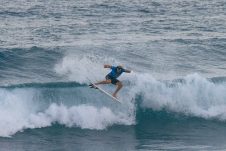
{"points": [[175, 98]]}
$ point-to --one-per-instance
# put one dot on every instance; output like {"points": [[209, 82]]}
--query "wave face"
{"points": [[37, 105], [51, 88]]}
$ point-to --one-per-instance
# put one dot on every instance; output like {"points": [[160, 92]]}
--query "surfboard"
{"points": [[106, 93]]}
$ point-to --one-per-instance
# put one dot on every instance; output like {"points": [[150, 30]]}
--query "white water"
{"points": [[196, 96], [22, 108]]}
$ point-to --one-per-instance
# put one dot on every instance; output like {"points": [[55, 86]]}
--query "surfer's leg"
{"points": [[107, 81], [101, 82], [119, 86], [104, 82]]}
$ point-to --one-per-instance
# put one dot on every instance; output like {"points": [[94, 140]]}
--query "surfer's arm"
{"points": [[127, 71], [107, 66]]}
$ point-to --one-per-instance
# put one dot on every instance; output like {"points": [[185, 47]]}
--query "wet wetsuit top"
{"points": [[113, 75]]}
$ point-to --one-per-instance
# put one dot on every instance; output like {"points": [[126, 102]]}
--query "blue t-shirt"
{"points": [[114, 73]]}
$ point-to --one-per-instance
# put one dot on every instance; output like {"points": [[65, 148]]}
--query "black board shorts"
{"points": [[113, 80]]}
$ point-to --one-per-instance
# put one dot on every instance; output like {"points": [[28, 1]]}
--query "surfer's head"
{"points": [[119, 68]]}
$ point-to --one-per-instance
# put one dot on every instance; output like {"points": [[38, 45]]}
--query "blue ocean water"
{"points": [[173, 100]]}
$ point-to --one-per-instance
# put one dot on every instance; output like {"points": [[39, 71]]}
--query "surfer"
{"points": [[112, 77]]}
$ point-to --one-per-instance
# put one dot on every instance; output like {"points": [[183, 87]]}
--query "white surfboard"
{"points": [[106, 93]]}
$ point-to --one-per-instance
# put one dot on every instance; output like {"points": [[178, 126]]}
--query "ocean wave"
{"points": [[36, 105], [192, 96], [70, 104]]}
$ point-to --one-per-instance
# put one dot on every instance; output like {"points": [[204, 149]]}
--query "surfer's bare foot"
{"points": [[92, 86], [114, 95]]}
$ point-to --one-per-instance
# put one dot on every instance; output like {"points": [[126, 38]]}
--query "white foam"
{"points": [[21, 109], [196, 96], [83, 116], [79, 68], [14, 108]]}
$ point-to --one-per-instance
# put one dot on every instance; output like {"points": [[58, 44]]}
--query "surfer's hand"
{"points": [[107, 66]]}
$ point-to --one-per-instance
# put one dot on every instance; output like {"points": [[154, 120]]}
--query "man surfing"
{"points": [[112, 78]]}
